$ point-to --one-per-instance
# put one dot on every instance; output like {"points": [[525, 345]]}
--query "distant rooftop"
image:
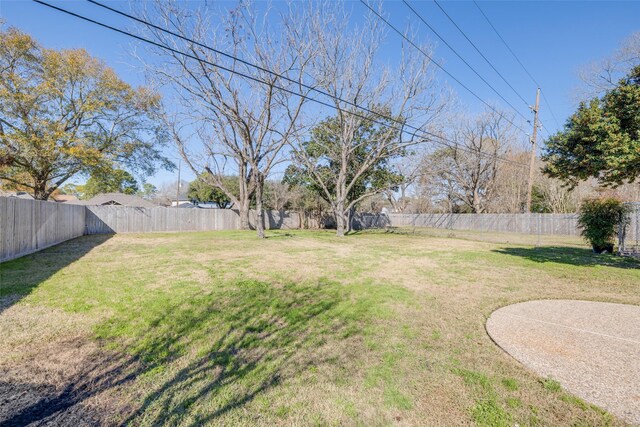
{"points": [[117, 199], [17, 194], [63, 198]]}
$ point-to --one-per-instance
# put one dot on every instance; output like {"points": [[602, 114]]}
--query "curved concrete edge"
{"points": [[591, 348]]}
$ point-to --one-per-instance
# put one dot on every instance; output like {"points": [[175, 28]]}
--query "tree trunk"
{"points": [[341, 220], [259, 211], [475, 206], [244, 199], [341, 198], [244, 214], [301, 219], [40, 191]]}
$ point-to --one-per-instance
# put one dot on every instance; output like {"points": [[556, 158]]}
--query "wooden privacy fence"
{"points": [[28, 226], [551, 224], [126, 219]]}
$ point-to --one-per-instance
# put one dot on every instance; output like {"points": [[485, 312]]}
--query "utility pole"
{"points": [[532, 161]]}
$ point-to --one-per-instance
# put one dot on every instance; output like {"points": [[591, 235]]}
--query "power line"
{"points": [[220, 52], [142, 21], [505, 43], [273, 73], [480, 52], [542, 124], [439, 65], [240, 60], [424, 21], [306, 97], [517, 59]]}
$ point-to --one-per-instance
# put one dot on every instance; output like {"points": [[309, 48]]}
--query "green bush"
{"points": [[599, 219]]}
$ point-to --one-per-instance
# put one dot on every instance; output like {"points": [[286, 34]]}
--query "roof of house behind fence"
{"points": [[117, 199]]}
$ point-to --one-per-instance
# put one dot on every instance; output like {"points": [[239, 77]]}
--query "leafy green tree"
{"points": [[203, 190], [538, 203], [601, 139], [345, 170], [110, 181], [64, 113], [148, 191], [74, 190]]}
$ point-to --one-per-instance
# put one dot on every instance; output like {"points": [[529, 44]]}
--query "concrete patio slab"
{"points": [[591, 348]]}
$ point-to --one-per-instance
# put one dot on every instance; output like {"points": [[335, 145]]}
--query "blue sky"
{"points": [[552, 38]]}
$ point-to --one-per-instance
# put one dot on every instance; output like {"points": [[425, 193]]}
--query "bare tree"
{"points": [[425, 196], [223, 122], [278, 196], [410, 168], [554, 196], [511, 183], [353, 143], [467, 173], [168, 191], [604, 74]]}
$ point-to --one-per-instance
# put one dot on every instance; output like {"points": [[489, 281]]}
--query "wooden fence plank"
{"points": [[27, 226]]}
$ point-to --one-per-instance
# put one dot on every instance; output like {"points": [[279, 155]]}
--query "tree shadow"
{"points": [[223, 347], [277, 235], [20, 276], [571, 256], [259, 329]]}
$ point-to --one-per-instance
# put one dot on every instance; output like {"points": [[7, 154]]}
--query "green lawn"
{"points": [[301, 328]]}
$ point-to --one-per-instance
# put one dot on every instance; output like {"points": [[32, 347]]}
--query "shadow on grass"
{"points": [[571, 256], [20, 276], [279, 235], [247, 338], [26, 403], [205, 355]]}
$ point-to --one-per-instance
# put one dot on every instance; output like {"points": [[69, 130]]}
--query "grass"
{"points": [[301, 328]]}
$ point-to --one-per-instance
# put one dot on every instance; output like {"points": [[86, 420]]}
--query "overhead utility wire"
{"points": [[480, 52], [368, 110], [505, 43], [285, 78], [439, 65], [424, 21], [173, 33], [258, 67], [326, 104], [142, 21], [518, 60]]}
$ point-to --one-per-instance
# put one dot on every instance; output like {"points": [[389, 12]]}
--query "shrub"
{"points": [[599, 219]]}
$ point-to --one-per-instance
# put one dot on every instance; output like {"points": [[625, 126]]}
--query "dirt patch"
{"points": [[52, 373], [88, 397], [26, 404]]}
